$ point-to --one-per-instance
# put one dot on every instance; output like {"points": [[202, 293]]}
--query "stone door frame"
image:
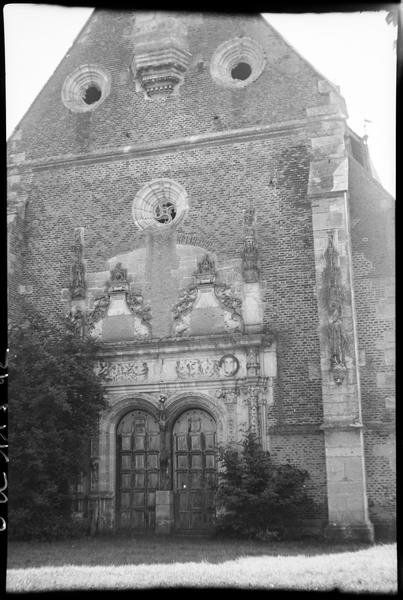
{"points": [[176, 405]]}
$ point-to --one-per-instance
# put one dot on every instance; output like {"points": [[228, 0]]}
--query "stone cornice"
{"points": [[180, 345], [173, 145]]}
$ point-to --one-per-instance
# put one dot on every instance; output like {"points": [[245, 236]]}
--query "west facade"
{"points": [[186, 188]]}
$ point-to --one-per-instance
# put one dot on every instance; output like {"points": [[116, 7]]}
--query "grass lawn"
{"points": [[127, 563]]}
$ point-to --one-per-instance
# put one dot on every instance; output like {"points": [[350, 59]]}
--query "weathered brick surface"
{"points": [[286, 87], [372, 236], [305, 451], [380, 461]]}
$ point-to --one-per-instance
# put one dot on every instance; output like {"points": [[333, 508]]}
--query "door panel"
{"points": [[195, 471], [138, 443]]}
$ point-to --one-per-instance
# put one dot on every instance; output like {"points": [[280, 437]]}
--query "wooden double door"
{"points": [[195, 471], [192, 472]]}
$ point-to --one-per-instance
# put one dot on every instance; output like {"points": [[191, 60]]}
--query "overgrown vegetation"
{"points": [[256, 498], [54, 401]]}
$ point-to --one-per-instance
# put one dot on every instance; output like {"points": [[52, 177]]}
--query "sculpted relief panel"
{"points": [[227, 366], [168, 370], [134, 372]]}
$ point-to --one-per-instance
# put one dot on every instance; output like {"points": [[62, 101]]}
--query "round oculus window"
{"points": [[86, 88], [237, 62], [159, 204]]}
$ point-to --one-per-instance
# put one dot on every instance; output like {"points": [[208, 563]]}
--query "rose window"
{"points": [[159, 204]]}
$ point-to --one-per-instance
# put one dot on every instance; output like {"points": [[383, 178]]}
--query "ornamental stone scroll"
{"points": [[135, 372]]}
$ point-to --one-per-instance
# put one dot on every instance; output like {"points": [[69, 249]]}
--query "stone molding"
{"points": [[197, 344], [166, 146]]}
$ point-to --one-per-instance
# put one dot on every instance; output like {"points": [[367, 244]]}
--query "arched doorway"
{"points": [[194, 471], [138, 474]]}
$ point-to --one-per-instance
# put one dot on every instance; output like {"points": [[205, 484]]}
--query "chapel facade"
{"points": [[187, 189]]}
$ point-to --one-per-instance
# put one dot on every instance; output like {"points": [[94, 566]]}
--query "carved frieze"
{"points": [[197, 367], [135, 372], [333, 296], [188, 368]]}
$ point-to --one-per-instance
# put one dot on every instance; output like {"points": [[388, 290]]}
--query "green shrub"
{"points": [[257, 498], [55, 399]]}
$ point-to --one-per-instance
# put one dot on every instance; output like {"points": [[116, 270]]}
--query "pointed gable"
{"points": [[219, 72]]}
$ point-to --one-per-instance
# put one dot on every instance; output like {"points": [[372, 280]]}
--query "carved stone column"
{"points": [[252, 302], [230, 398], [164, 500], [328, 188]]}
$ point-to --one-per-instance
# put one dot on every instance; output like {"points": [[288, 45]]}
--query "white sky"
{"points": [[353, 50]]}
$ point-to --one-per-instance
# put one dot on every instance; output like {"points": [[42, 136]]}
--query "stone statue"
{"points": [[118, 274]]}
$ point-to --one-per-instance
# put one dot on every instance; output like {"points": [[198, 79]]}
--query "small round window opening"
{"points": [[237, 62], [86, 88], [241, 72], [165, 212], [92, 94], [160, 204]]}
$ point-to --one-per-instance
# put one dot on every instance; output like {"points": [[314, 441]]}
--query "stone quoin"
{"points": [[187, 188]]}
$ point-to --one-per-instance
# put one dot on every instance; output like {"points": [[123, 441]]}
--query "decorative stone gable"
{"points": [[207, 307], [161, 56], [119, 312]]}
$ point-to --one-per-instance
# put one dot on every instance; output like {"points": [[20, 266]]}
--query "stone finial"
{"points": [[205, 272], [252, 362], [118, 280], [77, 280], [250, 268]]}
